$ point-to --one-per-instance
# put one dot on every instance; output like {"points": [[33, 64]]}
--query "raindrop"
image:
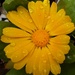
{"points": [[49, 53], [12, 44], [45, 70], [16, 56], [48, 17], [44, 61], [45, 4], [45, 16], [41, 7], [23, 52], [31, 11], [21, 12], [52, 20], [30, 20]]}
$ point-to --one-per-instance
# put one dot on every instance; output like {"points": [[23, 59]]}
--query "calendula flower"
{"points": [[40, 40]]}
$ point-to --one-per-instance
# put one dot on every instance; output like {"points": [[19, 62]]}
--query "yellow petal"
{"points": [[31, 62], [57, 54], [23, 62], [55, 67], [14, 32], [37, 58], [53, 10], [61, 40], [63, 29], [46, 4], [22, 52], [25, 16], [17, 20], [64, 48], [44, 65], [15, 46], [55, 20], [12, 40], [37, 13]]}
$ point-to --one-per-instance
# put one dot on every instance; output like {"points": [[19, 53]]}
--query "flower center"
{"points": [[40, 38]]}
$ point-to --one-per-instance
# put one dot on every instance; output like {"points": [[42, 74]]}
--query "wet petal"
{"points": [[55, 67], [22, 52], [14, 17], [23, 62], [25, 16], [64, 48], [57, 54], [55, 20], [44, 65], [31, 62], [14, 32], [37, 12], [61, 39], [15, 46], [13, 40], [53, 10], [63, 29]]}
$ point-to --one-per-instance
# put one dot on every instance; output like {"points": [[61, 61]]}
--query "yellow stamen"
{"points": [[40, 38]]}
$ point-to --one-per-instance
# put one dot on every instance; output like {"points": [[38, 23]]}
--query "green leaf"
{"points": [[13, 4], [3, 25], [70, 57], [68, 69], [2, 53], [17, 72], [69, 6]]}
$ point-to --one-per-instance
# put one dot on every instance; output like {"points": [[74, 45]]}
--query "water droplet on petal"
{"points": [[45, 16], [49, 53], [48, 17], [21, 12], [44, 61], [52, 20], [12, 44], [30, 20], [45, 71], [42, 55], [41, 7], [16, 56], [31, 11]]}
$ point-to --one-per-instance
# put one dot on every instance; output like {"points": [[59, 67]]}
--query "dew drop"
{"points": [[21, 12], [31, 11], [48, 17], [30, 20], [45, 4], [45, 16], [49, 53], [42, 55], [41, 7], [12, 44], [52, 20], [45, 71], [23, 52], [44, 61], [16, 56]]}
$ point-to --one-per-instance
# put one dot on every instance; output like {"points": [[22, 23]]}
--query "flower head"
{"points": [[40, 42]]}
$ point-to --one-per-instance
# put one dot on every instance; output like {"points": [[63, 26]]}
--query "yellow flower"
{"points": [[40, 42]]}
